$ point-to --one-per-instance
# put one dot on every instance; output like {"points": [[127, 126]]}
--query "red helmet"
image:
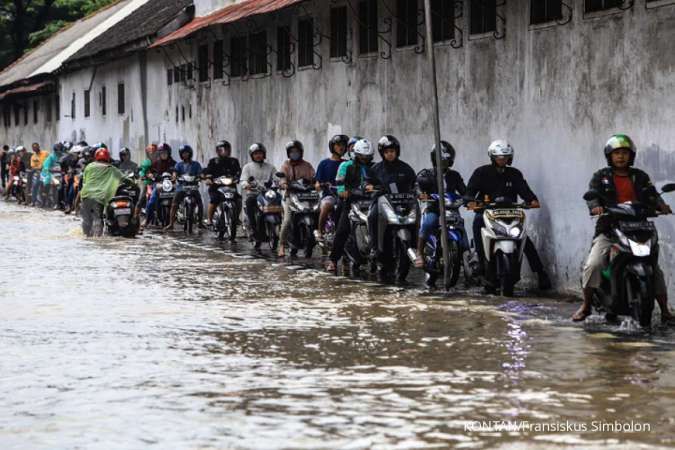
{"points": [[102, 155]]}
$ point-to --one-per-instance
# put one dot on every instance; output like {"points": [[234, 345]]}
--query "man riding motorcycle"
{"points": [[428, 185], [49, 164], [36, 161], [125, 163], [295, 168], [326, 173], [395, 177], [352, 174], [499, 179], [615, 184], [100, 181], [165, 163], [223, 165], [15, 168], [260, 172], [143, 172], [185, 167]]}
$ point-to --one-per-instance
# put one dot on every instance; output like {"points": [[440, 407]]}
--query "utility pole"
{"points": [[437, 134]]}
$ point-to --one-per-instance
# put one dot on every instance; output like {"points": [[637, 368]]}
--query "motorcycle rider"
{"points": [[143, 172], [223, 165], [4, 161], [395, 176], [125, 163], [48, 165], [499, 179], [100, 181], [326, 173], [70, 165], [261, 172], [36, 161], [427, 185], [165, 163], [295, 168], [15, 168], [185, 167], [352, 174], [617, 183], [349, 154]]}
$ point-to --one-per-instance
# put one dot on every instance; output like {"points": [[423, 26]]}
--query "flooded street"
{"points": [[174, 342]]}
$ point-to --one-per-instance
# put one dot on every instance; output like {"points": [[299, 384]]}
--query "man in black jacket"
{"points": [[223, 165], [618, 183], [499, 179]]}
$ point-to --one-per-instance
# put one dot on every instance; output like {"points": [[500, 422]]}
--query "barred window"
{"points": [[443, 20], [238, 55], [338, 32], [368, 27], [542, 11], [483, 16], [283, 48], [218, 60], [120, 98], [35, 111], [87, 103], [104, 101], [601, 5], [305, 42], [169, 77], [406, 23], [203, 62], [257, 57]]}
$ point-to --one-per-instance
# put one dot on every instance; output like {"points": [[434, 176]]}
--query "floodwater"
{"points": [[174, 342]]}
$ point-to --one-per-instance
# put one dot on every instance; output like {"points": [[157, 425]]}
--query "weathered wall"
{"points": [[25, 134], [556, 92]]}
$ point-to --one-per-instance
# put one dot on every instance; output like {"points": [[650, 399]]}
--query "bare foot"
{"points": [[581, 314]]}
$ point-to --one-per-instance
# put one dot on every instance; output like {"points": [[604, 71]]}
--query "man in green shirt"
{"points": [[100, 181]]}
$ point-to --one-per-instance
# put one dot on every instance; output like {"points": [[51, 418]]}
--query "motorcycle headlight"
{"points": [[227, 181], [270, 195], [167, 185], [515, 232]]}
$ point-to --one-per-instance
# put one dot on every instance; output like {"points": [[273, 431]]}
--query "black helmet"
{"points": [[295, 144], [388, 141], [164, 148], [257, 147], [223, 144], [185, 149], [89, 152], [83, 144], [447, 154], [125, 151], [338, 139], [58, 147], [616, 142]]}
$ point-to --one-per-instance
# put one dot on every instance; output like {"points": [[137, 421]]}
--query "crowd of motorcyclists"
{"points": [[382, 215]]}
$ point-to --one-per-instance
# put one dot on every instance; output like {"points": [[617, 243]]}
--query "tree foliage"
{"points": [[25, 24]]}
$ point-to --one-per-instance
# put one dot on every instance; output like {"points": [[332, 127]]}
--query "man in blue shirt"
{"points": [[325, 180], [190, 168]]}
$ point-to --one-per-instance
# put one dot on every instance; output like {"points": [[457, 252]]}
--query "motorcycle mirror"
{"points": [[251, 179], [280, 175], [590, 195], [670, 187]]}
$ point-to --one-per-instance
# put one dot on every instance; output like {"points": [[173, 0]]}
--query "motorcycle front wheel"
{"points": [[505, 277]]}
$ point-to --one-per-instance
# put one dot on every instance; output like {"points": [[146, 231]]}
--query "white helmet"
{"points": [[363, 148], [20, 148], [500, 148]]}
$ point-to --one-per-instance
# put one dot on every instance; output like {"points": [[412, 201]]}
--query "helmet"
{"points": [[618, 141], [20, 149], [500, 148], [77, 148], [223, 144], [185, 149], [67, 145], [257, 147], [338, 139], [297, 145], [100, 145], [447, 155], [165, 148], [353, 140], [102, 155], [58, 147], [364, 149], [89, 152], [125, 151], [388, 141]]}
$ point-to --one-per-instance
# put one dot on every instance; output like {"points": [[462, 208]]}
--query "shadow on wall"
{"points": [[658, 163]]}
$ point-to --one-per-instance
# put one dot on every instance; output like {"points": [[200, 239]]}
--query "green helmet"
{"points": [[616, 142]]}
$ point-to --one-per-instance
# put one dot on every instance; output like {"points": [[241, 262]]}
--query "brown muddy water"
{"points": [[173, 342]]}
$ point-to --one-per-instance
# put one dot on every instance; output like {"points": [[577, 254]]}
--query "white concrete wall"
{"points": [[205, 7], [556, 92], [42, 132]]}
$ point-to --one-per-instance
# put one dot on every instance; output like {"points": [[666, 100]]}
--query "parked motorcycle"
{"points": [[457, 243], [396, 231], [503, 237], [269, 212], [304, 209], [225, 218], [119, 214], [627, 287], [187, 213]]}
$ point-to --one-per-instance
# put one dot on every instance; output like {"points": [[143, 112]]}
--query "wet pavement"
{"points": [[166, 341]]}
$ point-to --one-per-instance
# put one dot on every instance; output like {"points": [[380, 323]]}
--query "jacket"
{"points": [[395, 173], [493, 182]]}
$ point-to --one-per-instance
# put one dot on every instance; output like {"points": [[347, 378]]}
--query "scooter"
{"points": [[627, 287], [304, 210], [457, 243], [357, 248], [503, 237], [269, 212], [329, 227], [225, 218], [19, 183], [396, 225], [119, 214], [187, 213], [166, 193]]}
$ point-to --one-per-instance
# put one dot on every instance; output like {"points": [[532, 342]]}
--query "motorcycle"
{"points": [[119, 217], [503, 237], [269, 212], [166, 193], [304, 210], [329, 228], [19, 183], [457, 244], [187, 213], [396, 225], [627, 287], [53, 190], [357, 248], [225, 218]]}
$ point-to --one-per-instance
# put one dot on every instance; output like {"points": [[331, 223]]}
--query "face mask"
{"points": [[295, 156]]}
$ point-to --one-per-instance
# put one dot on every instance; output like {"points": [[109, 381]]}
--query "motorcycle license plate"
{"points": [[308, 196], [228, 195], [399, 199], [190, 188], [167, 195], [637, 226], [123, 211]]}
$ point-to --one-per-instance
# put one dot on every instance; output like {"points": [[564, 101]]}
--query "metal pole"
{"points": [[437, 134]]}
